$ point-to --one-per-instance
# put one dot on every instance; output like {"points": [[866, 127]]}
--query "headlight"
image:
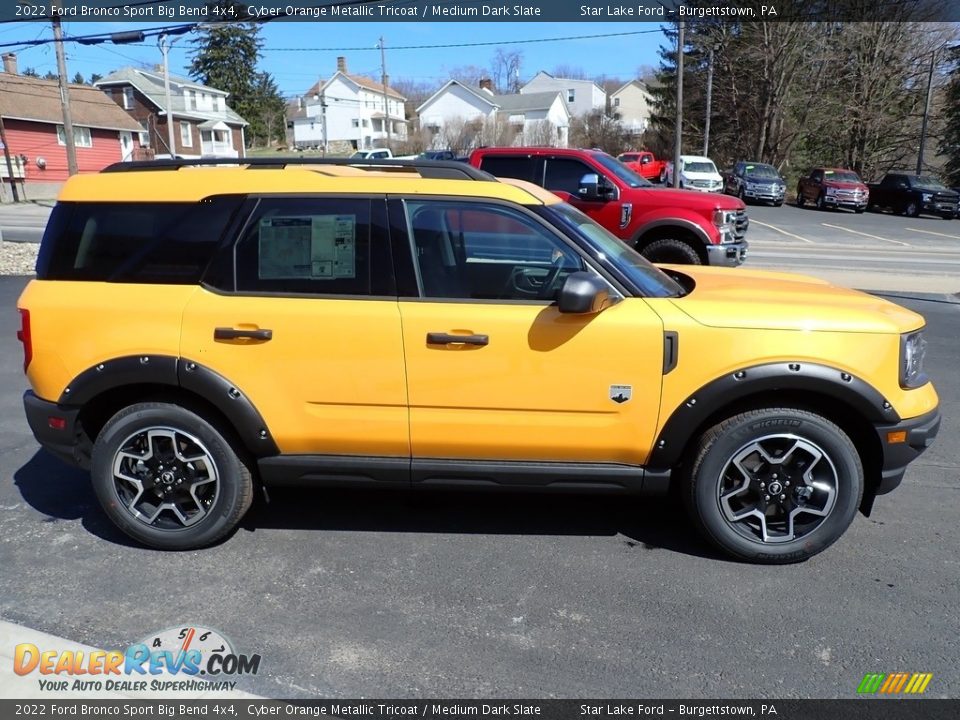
{"points": [[927, 197], [913, 348], [724, 217]]}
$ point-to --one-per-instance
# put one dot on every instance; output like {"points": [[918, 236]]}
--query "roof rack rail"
{"points": [[434, 169]]}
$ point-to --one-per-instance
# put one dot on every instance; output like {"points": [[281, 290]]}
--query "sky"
{"points": [[295, 71]]}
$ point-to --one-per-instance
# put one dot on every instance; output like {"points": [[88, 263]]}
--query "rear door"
{"points": [[307, 326]]}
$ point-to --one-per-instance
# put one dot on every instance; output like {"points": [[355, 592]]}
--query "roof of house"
{"points": [[483, 95], [638, 83], [29, 98], [151, 85], [529, 101], [566, 80], [360, 80]]}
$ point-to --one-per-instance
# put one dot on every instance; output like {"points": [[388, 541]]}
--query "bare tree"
{"points": [[540, 133], [505, 70]]}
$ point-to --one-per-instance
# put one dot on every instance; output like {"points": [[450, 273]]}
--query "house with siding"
{"points": [[632, 104], [581, 96], [204, 125], [33, 124], [517, 119], [348, 111]]}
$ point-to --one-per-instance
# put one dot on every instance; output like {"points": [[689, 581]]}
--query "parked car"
{"points": [[194, 335], [911, 195], [438, 155], [833, 188], [374, 154], [645, 164], [755, 181], [663, 224], [697, 173]]}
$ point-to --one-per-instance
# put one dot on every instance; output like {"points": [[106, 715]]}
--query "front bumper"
{"points": [[920, 433], [44, 418], [728, 254], [853, 204], [764, 195], [939, 208]]}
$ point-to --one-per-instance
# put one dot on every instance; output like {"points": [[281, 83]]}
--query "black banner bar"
{"points": [[255, 709], [627, 11]]}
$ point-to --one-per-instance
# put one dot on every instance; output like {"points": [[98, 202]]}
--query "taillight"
{"points": [[23, 335]]}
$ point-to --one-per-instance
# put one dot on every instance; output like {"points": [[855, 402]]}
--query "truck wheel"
{"points": [[663, 176], [669, 250], [168, 478], [775, 485], [911, 209], [742, 195], [821, 205], [799, 198]]}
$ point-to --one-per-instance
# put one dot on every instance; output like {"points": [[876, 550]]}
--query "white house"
{"points": [[348, 109], [581, 96], [632, 103], [532, 118]]}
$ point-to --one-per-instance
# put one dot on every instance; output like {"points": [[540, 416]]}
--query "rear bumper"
{"points": [[63, 442], [920, 434], [727, 255]]}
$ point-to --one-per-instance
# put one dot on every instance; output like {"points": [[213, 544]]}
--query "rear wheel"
{"points": [[169, 478], [774, 485], [669, 250]]}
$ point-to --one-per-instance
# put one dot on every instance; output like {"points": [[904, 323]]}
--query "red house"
{"points": [[33, 121]]}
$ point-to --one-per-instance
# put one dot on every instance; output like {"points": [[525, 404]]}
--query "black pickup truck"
{"points": [[911, 195]]}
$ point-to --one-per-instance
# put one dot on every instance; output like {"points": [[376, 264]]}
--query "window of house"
{"points": [[81, 136], [320, 246], [355, 122], [475, 251], [144, 139], [571, 94], [616, 102], [128, 98], [186, 134]]}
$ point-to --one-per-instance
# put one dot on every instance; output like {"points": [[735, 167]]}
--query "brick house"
{"points": [[33, 123], [204, 125]]}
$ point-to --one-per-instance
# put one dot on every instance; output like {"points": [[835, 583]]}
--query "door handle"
{"points": [[227, 333], [445, 339]]}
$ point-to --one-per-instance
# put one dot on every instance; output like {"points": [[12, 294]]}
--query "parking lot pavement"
{"points": [[456, 595], [872, 251]]}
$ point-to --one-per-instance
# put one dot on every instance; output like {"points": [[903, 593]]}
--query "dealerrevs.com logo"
{"points": [[190, 658]]}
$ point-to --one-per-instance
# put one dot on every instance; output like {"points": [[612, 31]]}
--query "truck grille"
{"points": [[740, 225], [850, 196]]}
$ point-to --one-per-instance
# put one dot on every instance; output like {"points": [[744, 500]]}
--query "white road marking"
{"points": [[930, 232], [774, 227], [857, 232]]}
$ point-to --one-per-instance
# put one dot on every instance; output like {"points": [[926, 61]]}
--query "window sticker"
{"points": [[315, 247]]}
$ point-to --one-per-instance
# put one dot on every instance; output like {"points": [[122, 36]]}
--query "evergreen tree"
{"points": [[269, 122], [950, 141], [31, 72], [78, 79]]}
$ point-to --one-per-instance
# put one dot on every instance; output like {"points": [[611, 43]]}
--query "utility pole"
{"points": [[926, 113], [384, 78], [6, 156], [64, 90], [706, 123], [165, 49], [322, 97], [678, 123]]}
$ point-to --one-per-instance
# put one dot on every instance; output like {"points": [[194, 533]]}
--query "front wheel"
{"points": [[821, 203], [799, 198], [169, 478], [911, 209], [669, 250], [774, 485]]}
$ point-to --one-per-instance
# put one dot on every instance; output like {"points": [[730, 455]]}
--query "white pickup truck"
{"points": [[375, 154], [697, 173]]}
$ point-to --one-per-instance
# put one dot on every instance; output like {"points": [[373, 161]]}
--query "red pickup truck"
{"points": [[663, 224], [645, 164]]}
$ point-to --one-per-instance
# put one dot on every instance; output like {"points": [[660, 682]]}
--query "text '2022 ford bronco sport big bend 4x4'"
{"points": [[195, 331]]}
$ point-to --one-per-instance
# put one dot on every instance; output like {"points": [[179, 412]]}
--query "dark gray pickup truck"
{"points": [[911, 195]]}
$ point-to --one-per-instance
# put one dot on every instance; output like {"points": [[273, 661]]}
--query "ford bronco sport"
{"points": [[194, 332]]}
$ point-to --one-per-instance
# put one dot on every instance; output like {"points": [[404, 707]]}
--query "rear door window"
{"points": [[510, 166]]}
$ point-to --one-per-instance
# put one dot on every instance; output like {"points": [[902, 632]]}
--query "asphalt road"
{"points": [[872, 250], [393, 595]]}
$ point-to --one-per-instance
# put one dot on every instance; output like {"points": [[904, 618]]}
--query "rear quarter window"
{"points": [[158, 243]]}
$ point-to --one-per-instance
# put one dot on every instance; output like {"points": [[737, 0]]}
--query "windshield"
{"points": [[767, 172], [651, 281], [628, 157], [841, 176], [928, 181], [623, 173], [700, 167]]}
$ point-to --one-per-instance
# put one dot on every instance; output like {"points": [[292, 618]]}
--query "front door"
{"points": [[562, 177], [494, 370], [308, 327], [126, 146]]}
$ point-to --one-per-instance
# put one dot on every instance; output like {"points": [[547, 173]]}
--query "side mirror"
{"points": [[645, 160], [902, 186], [583, 294], [590, 187]]}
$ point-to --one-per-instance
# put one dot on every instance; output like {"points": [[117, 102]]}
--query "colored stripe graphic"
{"points": [[894, 683]]}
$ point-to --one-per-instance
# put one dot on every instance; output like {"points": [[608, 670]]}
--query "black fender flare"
{"points": [[670, 222], [180, 373], [847, 389]]}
